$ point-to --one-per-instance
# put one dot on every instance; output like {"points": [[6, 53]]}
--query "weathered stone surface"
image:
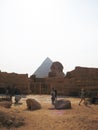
{"points": [[69, 84], [83, 73], [62, 104], [20, 81], [83, 77], [32, 104], [56, 70]]}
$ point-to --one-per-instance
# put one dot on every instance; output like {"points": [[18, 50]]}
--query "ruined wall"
{"points": [[20, 81], [44, 86], [83, 73], [83, 77], [71, 84]]}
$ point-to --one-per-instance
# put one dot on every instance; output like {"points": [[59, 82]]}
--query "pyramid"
{"points": [[44, 68]]}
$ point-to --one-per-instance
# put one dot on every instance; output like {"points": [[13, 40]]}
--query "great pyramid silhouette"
{"points": [[44, 68]]}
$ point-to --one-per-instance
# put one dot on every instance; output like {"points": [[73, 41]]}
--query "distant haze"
{"points": [[63, 30]]}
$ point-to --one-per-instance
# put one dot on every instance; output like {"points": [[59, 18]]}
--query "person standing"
{"points": [[17, 95], [83, 94], [53, 96]]}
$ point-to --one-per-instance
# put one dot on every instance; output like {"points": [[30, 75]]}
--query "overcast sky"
{"points": [[63, 30]]}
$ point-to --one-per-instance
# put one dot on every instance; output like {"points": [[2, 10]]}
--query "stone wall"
{"points": [[20, 81], [71, 84], [68, 85]]}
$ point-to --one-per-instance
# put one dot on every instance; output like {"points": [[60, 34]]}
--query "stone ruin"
{"points": [[20, 81], [69, 84], [56, 70], [62, 104], [32, 104]]}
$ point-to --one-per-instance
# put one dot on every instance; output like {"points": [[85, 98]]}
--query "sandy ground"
{"points": [[47, 118]]}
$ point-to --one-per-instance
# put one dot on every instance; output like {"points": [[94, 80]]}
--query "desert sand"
{"points": [[47, 118]]}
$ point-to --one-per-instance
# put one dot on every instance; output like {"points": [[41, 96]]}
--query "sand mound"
{"points": [[9, 119]]}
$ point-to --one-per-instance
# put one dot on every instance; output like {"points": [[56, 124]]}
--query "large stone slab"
{"points": [[32, 104], [62, 104]]}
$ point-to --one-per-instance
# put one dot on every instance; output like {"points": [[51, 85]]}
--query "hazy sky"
{"points": [[63, 30]]}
